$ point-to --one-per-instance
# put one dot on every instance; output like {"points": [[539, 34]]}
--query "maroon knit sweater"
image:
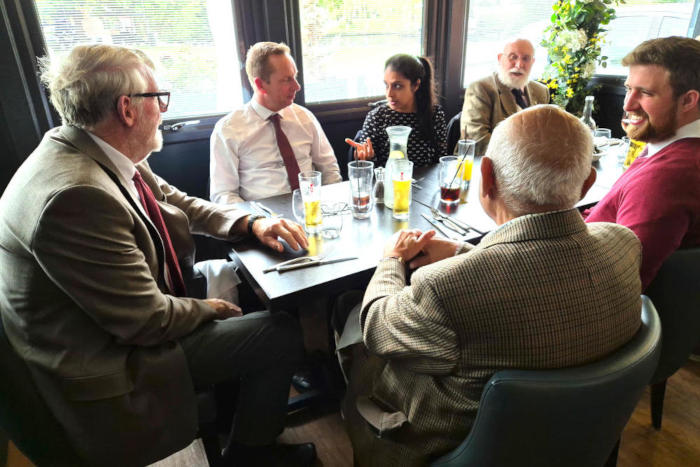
{"points": [[658, 198]]}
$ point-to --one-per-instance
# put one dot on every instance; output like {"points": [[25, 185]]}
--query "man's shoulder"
{"points": [[537, 85], [606, 230], [237, 116], [486, 82]]}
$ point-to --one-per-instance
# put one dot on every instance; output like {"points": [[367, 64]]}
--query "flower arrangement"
{"points": [[573, 41]]}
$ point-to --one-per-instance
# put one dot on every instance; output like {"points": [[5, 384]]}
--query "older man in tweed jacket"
{"points": [[543, 290]]}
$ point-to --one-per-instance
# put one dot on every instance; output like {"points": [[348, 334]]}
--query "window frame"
{"points": [[444, 40]]}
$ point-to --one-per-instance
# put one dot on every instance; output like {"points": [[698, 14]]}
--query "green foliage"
{"points": [[573, 41]]}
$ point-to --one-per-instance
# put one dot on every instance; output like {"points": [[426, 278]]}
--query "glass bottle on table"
{"points": [[398, 143], [587, 117]]}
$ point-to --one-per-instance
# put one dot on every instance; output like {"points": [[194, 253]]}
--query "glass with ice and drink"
{"points": [[401, 187], [360, 176], [450, 179]]}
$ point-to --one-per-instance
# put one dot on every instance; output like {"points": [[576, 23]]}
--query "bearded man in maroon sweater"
{"points": [[658, 197]]}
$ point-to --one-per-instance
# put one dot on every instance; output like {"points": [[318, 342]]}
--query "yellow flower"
{"points": [[569, 93], [567, 59], [552, 85]]}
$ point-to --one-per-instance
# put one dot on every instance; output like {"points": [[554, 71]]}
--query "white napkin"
{"points": [[222, 280]]}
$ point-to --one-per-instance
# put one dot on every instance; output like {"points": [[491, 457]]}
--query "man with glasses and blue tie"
{"points": [[92, 294]]}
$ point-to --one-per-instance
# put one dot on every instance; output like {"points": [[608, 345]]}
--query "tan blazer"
{"points": [[542, 291], [487, 102], [83, 302]]}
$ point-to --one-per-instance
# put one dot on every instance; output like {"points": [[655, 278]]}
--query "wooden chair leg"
{"points": [[658, 390], [612, 459]]}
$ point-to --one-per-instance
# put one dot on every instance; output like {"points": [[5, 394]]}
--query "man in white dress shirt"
{"points": [[246, 162]]}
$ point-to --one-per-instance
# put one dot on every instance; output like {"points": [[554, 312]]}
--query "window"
{"points": [[346, 42], [639, 20], [192, 43], [492, 23]]}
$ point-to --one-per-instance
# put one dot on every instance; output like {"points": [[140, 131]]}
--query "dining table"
{"points": [[364, 239]]}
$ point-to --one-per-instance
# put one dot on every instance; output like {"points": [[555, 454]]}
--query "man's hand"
{"points": [[435, 250], [363, 151], [223, 308], [269, 230], [406, 244]]}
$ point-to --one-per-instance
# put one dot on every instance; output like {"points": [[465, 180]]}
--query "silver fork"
{"points": [[447, 222]]}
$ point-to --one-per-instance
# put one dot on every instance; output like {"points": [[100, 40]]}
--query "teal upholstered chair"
{"points": [[571, 416]]}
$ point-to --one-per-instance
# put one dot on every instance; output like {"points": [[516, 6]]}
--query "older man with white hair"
{"points": [[543, 290], [492, 99], [93, 246]]}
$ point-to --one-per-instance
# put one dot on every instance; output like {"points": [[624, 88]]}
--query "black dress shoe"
{"points": [[301, 380], [275, 455]]}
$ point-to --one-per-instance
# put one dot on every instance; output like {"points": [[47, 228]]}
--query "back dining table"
{"points": [[365, 239]]}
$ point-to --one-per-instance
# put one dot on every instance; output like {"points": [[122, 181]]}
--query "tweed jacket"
{"points": [[83, 299], [487, 102], [541, 291]]}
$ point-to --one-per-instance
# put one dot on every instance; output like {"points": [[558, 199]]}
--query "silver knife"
{"points": [[438, 227], [291, 267], [264, 208], [455, 221]]}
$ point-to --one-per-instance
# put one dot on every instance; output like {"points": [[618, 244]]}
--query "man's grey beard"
{"points": [[505, 78]]}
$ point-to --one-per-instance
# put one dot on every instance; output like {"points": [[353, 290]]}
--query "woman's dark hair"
{"points": [[418, 68]]}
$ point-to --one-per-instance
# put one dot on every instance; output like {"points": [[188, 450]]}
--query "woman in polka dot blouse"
{"points": [[411, 101]]}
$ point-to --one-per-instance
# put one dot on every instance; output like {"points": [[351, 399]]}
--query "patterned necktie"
{"points": [[176, 283], [519, 98], [290, 162]]}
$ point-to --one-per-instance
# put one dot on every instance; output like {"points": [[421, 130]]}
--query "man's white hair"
{"points": [[541, 158], [85, 85]]}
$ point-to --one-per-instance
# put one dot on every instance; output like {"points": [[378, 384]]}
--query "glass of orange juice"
{"points": [[465, 152]]}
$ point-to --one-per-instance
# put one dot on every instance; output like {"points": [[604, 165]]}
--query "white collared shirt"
{"points": [[125, 168], [689, 130], [245, 161]]}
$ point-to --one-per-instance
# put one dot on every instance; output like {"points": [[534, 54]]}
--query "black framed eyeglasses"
{"points": [[163, 98]]}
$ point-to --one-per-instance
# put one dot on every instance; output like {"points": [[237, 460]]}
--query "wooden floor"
{"points": [[677, 444]]}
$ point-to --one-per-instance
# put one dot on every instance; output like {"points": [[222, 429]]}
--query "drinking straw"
{"points": [[457, 171]]}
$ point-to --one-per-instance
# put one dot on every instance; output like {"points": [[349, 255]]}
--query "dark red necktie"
{"points": [[176, 283], [290, 162]]}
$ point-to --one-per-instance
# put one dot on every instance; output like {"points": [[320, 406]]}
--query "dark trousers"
{"points": [[259, 350]]}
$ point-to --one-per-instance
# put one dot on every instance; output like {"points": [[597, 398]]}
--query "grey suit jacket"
{"points": [[487, 102], [541, 291], [83, 299]]}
